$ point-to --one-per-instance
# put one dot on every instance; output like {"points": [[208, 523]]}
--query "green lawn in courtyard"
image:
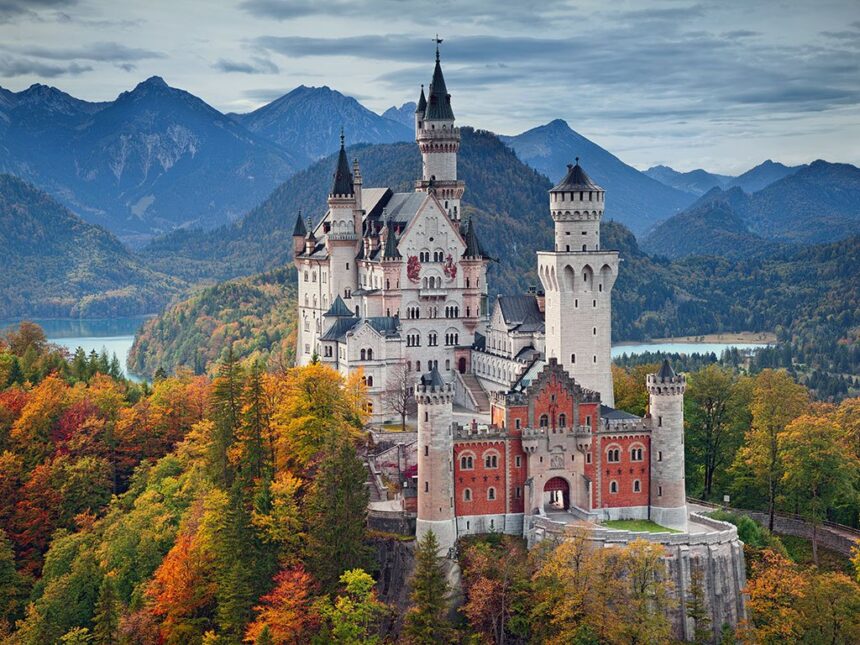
{"points": [[640, 526]]}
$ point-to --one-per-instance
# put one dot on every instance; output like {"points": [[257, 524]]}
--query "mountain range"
{"points": [[815, 204], [632, 198], [699, 182]]}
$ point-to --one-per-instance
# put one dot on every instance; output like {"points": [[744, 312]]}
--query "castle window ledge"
{"points": [[432, 293]]}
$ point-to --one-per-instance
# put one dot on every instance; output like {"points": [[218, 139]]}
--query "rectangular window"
{"points": [[426, 487], [519, 461], [519, 492], [659, 491], [517, 423], [659, 422], [659, 455], [588, 420], [588, 457], [426, 451]]}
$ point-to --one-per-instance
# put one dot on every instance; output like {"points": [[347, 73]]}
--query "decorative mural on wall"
{"points": [[450, 268], [413, 269]]}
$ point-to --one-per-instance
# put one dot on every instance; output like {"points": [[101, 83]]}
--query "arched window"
{"points": [[369, 381], [491, 460], [364, 354], [562, 420], [491, 493], [613, 487], [613, 454], [637, 487], [370, 354], [544, 421], [467, 462], [636, 453], [467, 495]]}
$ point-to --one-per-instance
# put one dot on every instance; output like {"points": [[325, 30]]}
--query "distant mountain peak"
{"points": [[154, 81]]}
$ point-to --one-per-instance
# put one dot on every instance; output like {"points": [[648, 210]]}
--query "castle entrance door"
{"points": [[556, 494], [462, 365]]}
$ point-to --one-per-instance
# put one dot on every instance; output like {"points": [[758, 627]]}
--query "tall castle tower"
{"points": [[668, 487], [439, 141], [578, 277], [345, 233], [435, 454]]}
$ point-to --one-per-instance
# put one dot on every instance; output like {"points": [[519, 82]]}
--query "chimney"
{"points": [[540, 297]]}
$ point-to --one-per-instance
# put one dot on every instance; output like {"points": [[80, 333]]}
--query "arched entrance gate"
{"points": [[556, 494]]}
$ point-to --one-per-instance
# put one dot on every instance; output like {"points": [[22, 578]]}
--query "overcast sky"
{"points": [[720, 85]]}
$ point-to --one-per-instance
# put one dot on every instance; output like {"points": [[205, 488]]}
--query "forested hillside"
{"points": [[507, 198], [54, 264], [256, 316]]}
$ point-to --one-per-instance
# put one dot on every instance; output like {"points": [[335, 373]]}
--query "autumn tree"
{"points": [[314, 407], [288, 613], [226, 414], [335, 516], [646, 598], [717, 414], [629, 387], [354, 616], [399, 394], [817, 468], [775, 590], [776, 401], [830, 609], [495, 582], [426, 621], [11, 586]]}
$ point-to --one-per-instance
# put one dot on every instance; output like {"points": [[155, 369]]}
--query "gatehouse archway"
{"points": [[556, 494]]}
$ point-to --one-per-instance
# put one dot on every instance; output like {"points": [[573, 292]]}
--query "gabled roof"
{"points": [[439, 101], [342, 175], [339, 309], [576, 179], [520, 309], [385, 325], [612, 414]]}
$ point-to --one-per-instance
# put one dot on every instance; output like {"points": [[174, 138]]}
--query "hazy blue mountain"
{"points": [[155, 159], [819, 203], [762, 175], [308, 120], [695, 182], [55, 264], [405, 114], [632, 198]]}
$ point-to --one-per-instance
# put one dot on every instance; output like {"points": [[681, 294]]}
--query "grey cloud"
{"points": [[126, 67], [102, 52], [257, 66], [11, 67], [264, 94], [740, 33], [12, 9]]}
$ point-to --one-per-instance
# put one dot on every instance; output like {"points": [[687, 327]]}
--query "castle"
{"points": [[395, 284]]}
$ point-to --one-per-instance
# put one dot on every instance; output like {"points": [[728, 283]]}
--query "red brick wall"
{"points": [[553, 400], [625, 471], [479, 479], [518, 475]]}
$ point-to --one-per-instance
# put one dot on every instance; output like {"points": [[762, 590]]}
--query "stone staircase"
{"points": [[479, 395], [376, 495]]}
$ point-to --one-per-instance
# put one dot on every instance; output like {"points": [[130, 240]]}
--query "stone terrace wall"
{"points": [[718, 555]]}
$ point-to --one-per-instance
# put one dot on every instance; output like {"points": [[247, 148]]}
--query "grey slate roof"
{"points": [[521, 312], [433, 377], [473, 246], [338, 330], [299, 230], [338, 309], [422, 102], [612, 414], [391, 251], [342, 176], [385, 325], [666, 371], [576, 179], [439, 101]]}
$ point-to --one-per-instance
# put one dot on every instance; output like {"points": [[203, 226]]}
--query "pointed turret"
{"points": [[299, 233], [666, 372], [422, 102], [342, 176], [473, 246], [339, 309], [575, 179], [439, 101], [391, 252]]}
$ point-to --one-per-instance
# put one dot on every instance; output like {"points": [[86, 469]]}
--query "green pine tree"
{"points": [[265, 637], [255, 423], [697, 608], [11, 585], [427, 621], [226, 414], [106, 619], [336, 515]]}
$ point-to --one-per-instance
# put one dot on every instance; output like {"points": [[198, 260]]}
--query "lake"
{"points": [[680, 348], [114, 335]]}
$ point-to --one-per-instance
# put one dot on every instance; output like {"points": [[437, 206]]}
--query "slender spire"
{"points": [[391, 243], [422, 102], [310, 235], [439, 101], [299, 230], [473, 246], [342, 176], [666, 372]]}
